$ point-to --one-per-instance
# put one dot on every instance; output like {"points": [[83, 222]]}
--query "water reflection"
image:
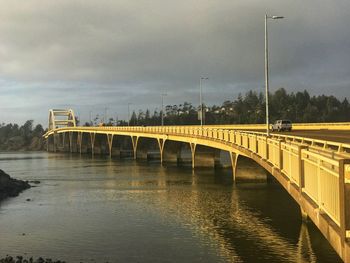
{"points": [[101, 206]]}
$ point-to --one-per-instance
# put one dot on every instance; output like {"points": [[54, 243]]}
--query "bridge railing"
{"points": [[291, 161]]}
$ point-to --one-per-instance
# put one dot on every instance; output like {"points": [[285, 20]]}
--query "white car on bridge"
{"points": [[282, 125]]}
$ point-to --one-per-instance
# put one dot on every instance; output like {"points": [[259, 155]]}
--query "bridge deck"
{"points": [[342, 136]]}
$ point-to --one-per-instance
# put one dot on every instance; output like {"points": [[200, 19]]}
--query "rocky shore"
{"points": [[10, 187], [20, 259]]}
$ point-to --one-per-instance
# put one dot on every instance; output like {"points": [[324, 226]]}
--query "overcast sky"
{"points": [[88, 55]]}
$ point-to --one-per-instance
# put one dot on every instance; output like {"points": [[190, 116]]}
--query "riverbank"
{"points": [[19, 143], [10, 187]]}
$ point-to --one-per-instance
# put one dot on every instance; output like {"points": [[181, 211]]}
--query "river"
{"points": [[98, 209]]}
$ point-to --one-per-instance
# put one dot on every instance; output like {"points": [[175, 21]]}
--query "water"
{"points": [[98, 210]]}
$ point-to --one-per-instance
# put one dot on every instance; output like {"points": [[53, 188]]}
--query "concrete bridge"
{"points": [[315, 172]]}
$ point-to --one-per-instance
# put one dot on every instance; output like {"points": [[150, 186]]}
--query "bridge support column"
{"points": [[101, 144], [161, 143], [64, 140], [193, 153], [79, 141], [134, 140], [70, 134], [74, 142], [92, 140], [171, 152], [303, 212], [110, 144], [234, 157], [248, 170], [51, 143], [304, 215]]}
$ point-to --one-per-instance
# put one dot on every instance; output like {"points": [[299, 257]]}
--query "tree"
{"points": [[133, 119], [38, 130]]}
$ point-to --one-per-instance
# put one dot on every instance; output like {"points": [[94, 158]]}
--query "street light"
{"points": [[200, 97], [267, 72], [163, 94], [105, 116], [129, 113], [91, 118]]}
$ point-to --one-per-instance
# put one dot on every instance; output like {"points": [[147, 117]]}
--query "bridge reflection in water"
{"points": [[315, 173]]}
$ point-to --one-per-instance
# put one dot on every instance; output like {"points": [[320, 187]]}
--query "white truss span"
{"points": [[60, 118]]}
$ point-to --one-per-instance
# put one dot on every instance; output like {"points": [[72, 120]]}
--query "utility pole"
{"points": [[105, 116], [129, 113], [200, 97], [162, 117]]}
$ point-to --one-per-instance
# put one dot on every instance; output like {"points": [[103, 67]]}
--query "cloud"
{"points": [[92, 53]]}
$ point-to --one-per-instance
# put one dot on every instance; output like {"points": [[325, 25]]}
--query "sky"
{"points": [[91, 55]]}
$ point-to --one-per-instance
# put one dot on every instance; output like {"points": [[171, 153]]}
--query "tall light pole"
{"points": [[163, 94], [129, 113], [105, 117], [91, 118], [200, 97], [267, 72]]}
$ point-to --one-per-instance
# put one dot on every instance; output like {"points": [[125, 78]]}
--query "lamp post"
{"points": [[200, 97], [105, 116], [267, 72], [163, 94], [129, 113]]}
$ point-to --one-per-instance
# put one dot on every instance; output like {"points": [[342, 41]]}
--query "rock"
{"points": [[21, 259], [28, 199], [10, 187], [34, 182]]}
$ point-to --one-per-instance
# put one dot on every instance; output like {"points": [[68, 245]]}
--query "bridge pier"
{"points": [[110, 144], [202, 156], [234, 158], [51, 143], [148, 149], [248, 170], [92, 142], [171, 152], [74, 148], [100, 144], [134, 140], [84, 143], [121, 146]]}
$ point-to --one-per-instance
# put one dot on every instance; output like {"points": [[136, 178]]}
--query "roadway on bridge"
{"points": [[327, 135], [342, 136]]}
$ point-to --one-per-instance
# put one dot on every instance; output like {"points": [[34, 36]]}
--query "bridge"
{"points": [[314, 171]]}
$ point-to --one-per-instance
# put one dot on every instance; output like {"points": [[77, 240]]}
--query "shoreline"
{"points": [[21, 259]]}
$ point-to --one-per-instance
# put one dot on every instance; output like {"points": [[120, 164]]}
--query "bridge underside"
{"points": [[168, 151]]}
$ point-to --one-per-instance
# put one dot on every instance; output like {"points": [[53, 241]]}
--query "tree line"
{"points": [[246, 109], [25, 137]]}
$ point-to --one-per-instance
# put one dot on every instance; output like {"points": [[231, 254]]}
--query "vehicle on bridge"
{"points": [[282, 125]]}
